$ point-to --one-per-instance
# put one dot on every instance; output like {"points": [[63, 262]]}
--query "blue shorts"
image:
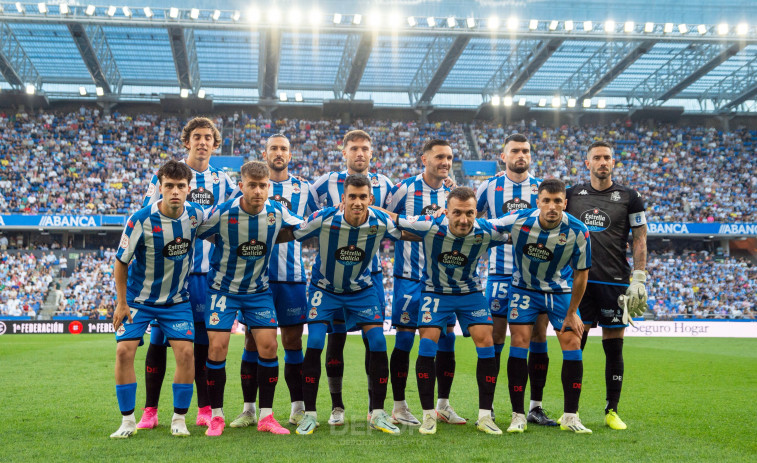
{"points": [[378, 283], [407, 301], [438, 309], [526, 305], [175, 321], [198, 290], [497, 287], [256, 309], [359, 308], [291, 302]]}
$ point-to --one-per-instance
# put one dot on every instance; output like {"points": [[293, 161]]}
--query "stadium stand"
{"points": [[91, 291], [24, 283]]}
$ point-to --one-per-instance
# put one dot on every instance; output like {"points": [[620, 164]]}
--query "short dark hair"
{"points": [[201, 123], [358, 181], [600, 144], [254, 169], [429, 145], [276, 135], [552, 186], [175, 170], [519, 137], [461, 193], [354, 135]]}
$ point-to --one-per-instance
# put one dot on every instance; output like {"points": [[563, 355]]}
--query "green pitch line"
{"points": [[683, 399]]}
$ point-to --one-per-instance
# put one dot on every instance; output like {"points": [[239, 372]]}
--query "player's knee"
{"points": [[125, 353], [183, 352], [291, 337], [376, 339], [317, 335], [520, 336], [482, 337], [267, 344], [249, 341]]}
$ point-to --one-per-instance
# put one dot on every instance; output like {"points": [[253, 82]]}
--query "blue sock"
{"points": [[485, 352], [249, 356], [518, 352], [576, 355], [127, 397], [317, 335], [498, 348], [182, 397], [427, 348], [447, 342], [269, 362], [538, 347], [293, 357], [404, 340], [376, 339]]}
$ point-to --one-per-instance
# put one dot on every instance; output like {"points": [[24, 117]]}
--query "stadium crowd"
{"points": [[696, 285], [24, 283], [90, 163], [91, 290], [690, 174]]}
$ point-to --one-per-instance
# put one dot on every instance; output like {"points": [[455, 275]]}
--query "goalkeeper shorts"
{"points": [[599, 306]]}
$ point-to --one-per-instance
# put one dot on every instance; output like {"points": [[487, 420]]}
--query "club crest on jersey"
{"points": [[313, 313], [405, 318], [271, 219], [124, 241], [151, 190], [349, 255], [280, 199], [514, 313], [453, 259], [595, 220], [177, 249], [296, 189], [515, 204], [193, 221], [537, 252], [426, 318], [375, 181], [214, 318], [478, 239], [373, 230], [534, 190], [215, 177], [562, 239], [252, 250], [615, 196], [202, 196], [495, 305]]}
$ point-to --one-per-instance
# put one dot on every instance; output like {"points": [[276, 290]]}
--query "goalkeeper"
{"points": [[610, 211]]}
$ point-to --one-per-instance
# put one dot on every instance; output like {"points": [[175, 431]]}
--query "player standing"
{"points": [[516, 190], [341, 285], [328, 190], [157, 241], [209, 187], [610, 211], [287, 282], [546, 243], [246, 230], [420, 195]]}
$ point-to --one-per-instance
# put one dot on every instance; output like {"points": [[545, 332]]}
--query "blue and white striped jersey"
{"points": [[161, 250], [208, 189], [543, 258], [413, 196], [328, 190], [244, 244], [452, 261], [342, 262], [498, 197], [286, 263]]}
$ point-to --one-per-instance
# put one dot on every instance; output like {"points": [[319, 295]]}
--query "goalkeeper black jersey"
{"points": [[609, 214]]}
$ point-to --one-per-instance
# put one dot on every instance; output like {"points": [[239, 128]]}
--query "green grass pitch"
{"points": [[683, 399]]}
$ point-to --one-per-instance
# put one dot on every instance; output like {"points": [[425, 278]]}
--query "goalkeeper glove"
{"points": [[637, 294], [623, 303]]}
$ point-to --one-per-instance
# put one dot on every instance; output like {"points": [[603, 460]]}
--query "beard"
{"points": [[274, 167], [517, 168]]}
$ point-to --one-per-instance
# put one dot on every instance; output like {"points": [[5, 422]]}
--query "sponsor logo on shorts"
{"points": [[262, 313], [514, 313], [405, 318], [426, 317], [607, 313], [181, 326], [313, 313], [537, 252], [214, 319], [479, 313], [293, 311], [177, 249], [349, 255], [202, 196]]}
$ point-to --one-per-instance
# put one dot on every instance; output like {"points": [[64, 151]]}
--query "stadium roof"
{"points": [[695, 54]]}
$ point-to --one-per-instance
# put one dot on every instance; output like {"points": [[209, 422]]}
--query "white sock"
{"points": [[265, 412], [249, 407], [429, 412], [442, 403], [484, 413], [400, 404], [177, 417], [534, 404], [217, 412], [373, 413], [567, 416], [129, 418], [298, 405], [313, 414]]}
